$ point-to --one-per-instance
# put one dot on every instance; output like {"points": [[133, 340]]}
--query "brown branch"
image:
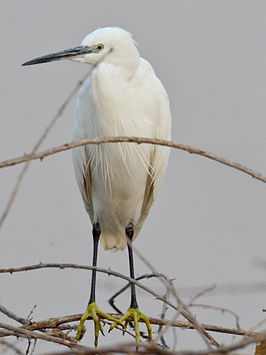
{"points": [[181, 307], [12, 315], [259, 337], [217, 308], [56, 325], [137, 140], [152, 349], [25, 333], [130, 348], [55, 322], [76, 266], [109, 272], [111, 300], [85, 267], [209, 327], [36, 147]]}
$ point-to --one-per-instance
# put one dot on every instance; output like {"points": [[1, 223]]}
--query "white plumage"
{"points": [[121, 97], [118, 181]]}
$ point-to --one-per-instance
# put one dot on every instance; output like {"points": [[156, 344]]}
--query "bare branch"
{"points": [[25, 333], [201, 293], [229, 288], [36, 147], [137, 140], [111, 300], [152, 349], [259, 337], [181, 307], [258, 324], [12, 315], [221, 309], [114, 273], [53, 323], [31, 332], [33, 347], [162, 317], [31, 313], [85, 267], [143, 348]]}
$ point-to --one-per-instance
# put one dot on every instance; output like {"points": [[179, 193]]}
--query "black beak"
{"points": [[65, 54]]}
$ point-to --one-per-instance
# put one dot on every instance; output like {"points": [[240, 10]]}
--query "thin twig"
{"points": [[35, 148], [201, 293], [119, 327], [259, 337], [85, 267], [33, 347], [28, 347], [258, 324], [31, 312], [137, 140], [145, 348], [229, 289], [55, 322], [221, 309], [151, 349], [12, 315], [162, 317], [123, 289], [217, 308], [181, 307], [164, 307], [25, 333]]}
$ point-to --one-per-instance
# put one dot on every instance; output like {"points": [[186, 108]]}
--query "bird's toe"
{"points": [[135, 315], [94, 313]]}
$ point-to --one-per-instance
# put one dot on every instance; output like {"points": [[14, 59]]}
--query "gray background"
{"points": [[207, 226]]}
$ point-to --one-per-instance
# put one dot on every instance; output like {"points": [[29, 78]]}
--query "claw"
{"points": [[136, 314], [94, 313]]}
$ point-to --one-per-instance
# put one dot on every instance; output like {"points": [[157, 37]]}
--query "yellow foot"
{"points": [[136, 315], [94, 313]]}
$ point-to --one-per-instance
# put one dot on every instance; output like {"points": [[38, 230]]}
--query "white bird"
{"points": [[118, 182]]}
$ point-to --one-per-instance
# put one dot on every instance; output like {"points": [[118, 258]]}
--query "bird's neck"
{"points": [[108, 91], [124, 60], [109, 78]]}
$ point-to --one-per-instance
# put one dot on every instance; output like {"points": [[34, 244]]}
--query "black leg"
{"points": [[92, 310], [96, 232], [133, 312], [130, 234]]}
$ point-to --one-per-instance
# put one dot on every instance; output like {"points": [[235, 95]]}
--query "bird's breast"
{"points": [[116, 174]]}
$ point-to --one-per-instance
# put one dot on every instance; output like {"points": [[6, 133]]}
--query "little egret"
{"points": [[118, 182]]}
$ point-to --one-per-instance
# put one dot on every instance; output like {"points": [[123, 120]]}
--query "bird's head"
{"points": [[109, 44]]}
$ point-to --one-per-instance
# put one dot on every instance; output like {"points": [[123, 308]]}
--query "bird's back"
{"points": [[119, 181]]}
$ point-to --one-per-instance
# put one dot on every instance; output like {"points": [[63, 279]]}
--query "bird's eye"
{"points": [[99, 47]]}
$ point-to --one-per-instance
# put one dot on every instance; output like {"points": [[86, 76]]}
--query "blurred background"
{"points": [[207, 226]]}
